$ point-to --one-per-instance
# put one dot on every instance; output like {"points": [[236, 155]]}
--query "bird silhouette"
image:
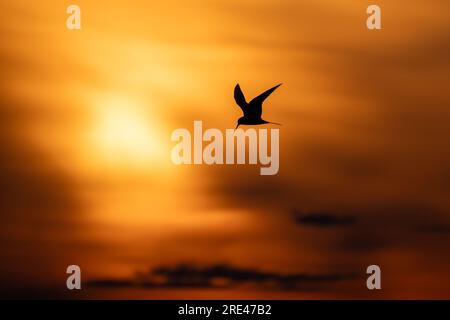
{"points": [[253, 109]]}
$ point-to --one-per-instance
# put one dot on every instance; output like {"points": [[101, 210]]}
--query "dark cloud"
{"points": [[323, 219], [33, 189], [38, 204], [220, 275]]}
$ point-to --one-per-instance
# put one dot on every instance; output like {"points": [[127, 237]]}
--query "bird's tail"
{"points": [[278, 124]]}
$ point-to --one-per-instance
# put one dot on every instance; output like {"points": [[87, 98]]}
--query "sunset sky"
{"points": [[86, 178]]}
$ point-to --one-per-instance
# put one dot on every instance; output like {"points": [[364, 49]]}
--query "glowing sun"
{"points": [[126, 134]]}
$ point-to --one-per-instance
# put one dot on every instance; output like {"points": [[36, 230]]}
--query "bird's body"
{"points": [[253, 109]]}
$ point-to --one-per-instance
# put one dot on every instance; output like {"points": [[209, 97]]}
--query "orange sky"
{"points": [[85, 125]]}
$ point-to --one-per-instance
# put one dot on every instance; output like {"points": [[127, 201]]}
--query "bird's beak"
{"points": [[236, 126]]}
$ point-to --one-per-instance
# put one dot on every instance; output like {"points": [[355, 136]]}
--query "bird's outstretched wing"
{"points": [[240, 99], [256, 103], [263, 96]]}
